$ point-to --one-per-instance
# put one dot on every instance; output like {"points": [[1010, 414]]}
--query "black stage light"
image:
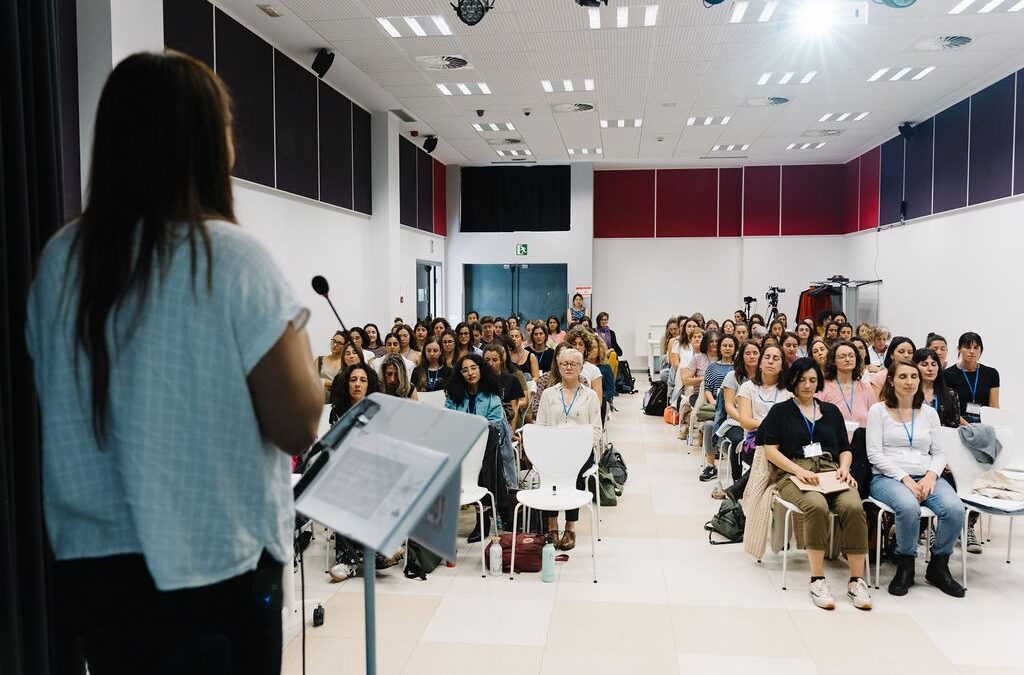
{"points": [[322, 62], [906, 130], [472, 11], [591, 3], [896, 4], [429, 143]]}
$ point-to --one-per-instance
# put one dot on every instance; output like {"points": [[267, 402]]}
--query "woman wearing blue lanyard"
{"points": [[803, 438], [431, 374], [844, 386], [977, 385], [569, 402], [907, 463]]}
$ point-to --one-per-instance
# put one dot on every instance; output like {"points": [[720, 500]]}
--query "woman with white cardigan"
{"points": [[907, 463]]}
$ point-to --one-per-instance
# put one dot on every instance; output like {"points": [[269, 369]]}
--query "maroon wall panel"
{"points": [[440, 199], [851, 196], [624, 203], [761, 201], [687, 203], [730, 202], [812, 199], [870, 176]]}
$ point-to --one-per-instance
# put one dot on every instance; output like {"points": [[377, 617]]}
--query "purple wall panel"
{"points": [[991, 156], [295, 124], [1018, 181], [188, 28], [362, 195], [918, 186], [951, 129], [891, 181], [335, 147]]}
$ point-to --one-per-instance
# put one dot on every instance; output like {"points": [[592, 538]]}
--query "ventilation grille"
{"points": [[572, 107], [402, 115], [768, 100], [504, 141], [444, 62], [942, 42]]}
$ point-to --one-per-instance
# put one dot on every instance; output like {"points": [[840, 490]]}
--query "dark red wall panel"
{"points": [[761, 201], [730, 202], [687, 204], [991, 159], [870, 174], [624, 203], [440, 199], [812, 199], [851, 196]]}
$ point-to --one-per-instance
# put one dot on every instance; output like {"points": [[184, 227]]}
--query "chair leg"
{"points": [[327, 553], [597, 494], [593, 543], [494, 515], [878, 552], [785, 546], [927, 536], [512, 560], [483, 544], [831, 535], [963, 551], [1009, 540]]}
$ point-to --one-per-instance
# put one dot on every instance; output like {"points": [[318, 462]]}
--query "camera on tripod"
{"points": [[772, 295]]}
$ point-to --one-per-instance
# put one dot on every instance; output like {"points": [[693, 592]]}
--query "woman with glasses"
{"points": [[449, 344], [845, 388], [464, 340], [329, 365], [569, 402]]}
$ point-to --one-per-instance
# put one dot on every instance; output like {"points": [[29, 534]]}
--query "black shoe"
{"points": [[709, 473], [474, 536], [938, 575], [904, 578]]}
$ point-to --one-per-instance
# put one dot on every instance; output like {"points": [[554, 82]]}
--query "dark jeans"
{"points": [[571, 515], [127, 626]]}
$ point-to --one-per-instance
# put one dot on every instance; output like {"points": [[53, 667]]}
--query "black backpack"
{"points": [[624, 380], [728, 522], [656, 399], [612, 462]]}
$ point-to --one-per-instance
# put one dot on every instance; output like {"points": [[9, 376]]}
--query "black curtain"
{"points": [[32, 635], [515, 199]]}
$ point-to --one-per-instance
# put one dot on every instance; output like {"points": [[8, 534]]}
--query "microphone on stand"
{"points": [[321, 287]]}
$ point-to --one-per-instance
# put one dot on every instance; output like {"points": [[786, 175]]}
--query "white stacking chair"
{"points": [[787, 529], [435, 399], [472, 493], [693, 432], [966, 469], [557, 454], [925, 513]]}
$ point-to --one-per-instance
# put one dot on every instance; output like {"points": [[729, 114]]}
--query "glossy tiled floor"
{"points": [[667, 602]]}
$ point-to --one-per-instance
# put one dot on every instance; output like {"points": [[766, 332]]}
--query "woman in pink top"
{"points": [[844, 387]]}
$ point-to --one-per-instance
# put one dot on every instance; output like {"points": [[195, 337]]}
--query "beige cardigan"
{"points": [[757, 505]]}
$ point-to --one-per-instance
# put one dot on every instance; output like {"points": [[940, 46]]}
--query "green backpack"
{"points": [[728, 522]]}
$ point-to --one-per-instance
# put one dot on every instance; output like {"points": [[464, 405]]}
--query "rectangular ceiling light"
{"points": [[716, 148], [509, 126], [992, 4], [769, 9], [861, 116], [739, 8], [588, 84], [444, 90], [585, 151], [691, 121], [464, 89], [484, 89], [572, 151], [637, 123], [442, 25], [805, 146], [622, 17], [808, 77], [763, 80], [786, 77], [899, 74], [1016, 8], [790, 146], [567, 85], [622, 124], [595, 18], [415, 26], [843, 117], [651, 16], [961, 6], [547, 86], [604, 124], [820, 145], [493, 126], [878, 74], [825, 117], [725, 120], [924, 73], [478, 127], [388, 27], [707, 121]]}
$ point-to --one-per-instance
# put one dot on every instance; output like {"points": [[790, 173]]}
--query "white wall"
{"points": [[418, 245], [953, 273], [573, 248], [640, 282], [307, 238]]}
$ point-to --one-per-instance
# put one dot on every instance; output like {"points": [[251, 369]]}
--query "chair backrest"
{"points": [[558, 453], [1014, 419], [962, 463], [435, 399], [325, 421], [472, 462]]}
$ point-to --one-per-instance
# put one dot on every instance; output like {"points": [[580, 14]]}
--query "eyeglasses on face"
{"points": [[569, 364], [337, 342], [466, 370]]}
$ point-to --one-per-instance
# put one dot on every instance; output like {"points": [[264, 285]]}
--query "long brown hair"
{"points": [[161, 157], [888, 393]]}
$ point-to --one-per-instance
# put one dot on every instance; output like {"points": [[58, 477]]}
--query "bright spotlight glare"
{"points": [[816, 17]]}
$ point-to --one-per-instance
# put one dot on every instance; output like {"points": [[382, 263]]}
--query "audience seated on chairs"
{"points": [[513, 385], [803, 337], [372, 343], [900, 349], [539, 347], [431, 374], [359, 338], [607, 334], [585, 342], [938, 344], [406, 344], [569, 401], [801, 439], [555, 332], [520, 356], [844, 387], [392, 347], [744, 368], [908, 462], [714, 375], [394, 378], [975, 383], [329, 365], [449, 346], [879, 347], [351, 386]]}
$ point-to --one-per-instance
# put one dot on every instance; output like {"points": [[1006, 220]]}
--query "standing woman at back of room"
{"points": [[180, 533], [577, 311], [555, 332]]}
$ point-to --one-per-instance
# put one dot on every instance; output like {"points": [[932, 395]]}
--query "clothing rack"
{"points": [[846, 290]]}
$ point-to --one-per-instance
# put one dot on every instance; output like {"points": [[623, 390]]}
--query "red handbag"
{"points": [[528, 552]]}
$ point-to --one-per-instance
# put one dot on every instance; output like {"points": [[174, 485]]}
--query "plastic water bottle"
{"points": [[547, 563], [496, 554]]}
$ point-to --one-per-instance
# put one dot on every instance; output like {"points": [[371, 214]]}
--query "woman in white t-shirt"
{"points": [[757, 395]]}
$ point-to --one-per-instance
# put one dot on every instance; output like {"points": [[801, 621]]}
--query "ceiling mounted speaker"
{"points": [[322, 62], [429, 143], [906, 129]]}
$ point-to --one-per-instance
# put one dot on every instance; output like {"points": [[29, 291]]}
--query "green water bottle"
{"points": [[547, 563]]}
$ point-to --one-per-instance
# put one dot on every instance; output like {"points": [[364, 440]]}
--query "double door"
{"points": [[530, 291]]}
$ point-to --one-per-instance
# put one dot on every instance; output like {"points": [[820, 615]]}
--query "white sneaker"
{"points": [[973, 545], [821, 594], [340, 572], [858, 593]]}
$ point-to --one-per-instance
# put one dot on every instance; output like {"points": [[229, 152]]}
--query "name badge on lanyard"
{"points": [[972, 407], [812, 449]]}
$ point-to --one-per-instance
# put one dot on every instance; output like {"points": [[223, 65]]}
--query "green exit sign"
{"points": [[522, 249]]}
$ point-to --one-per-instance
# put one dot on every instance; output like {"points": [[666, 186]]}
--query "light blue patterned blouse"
{"points": [[185, 477]]}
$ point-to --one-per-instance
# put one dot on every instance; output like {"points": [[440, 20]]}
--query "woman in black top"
{"points": [[352, 385], [977, 385], [933, 385], [513, 391], [431, 374], [803, 437], [539, 347]]}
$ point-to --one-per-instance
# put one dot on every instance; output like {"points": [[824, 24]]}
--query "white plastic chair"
{"points": [[792, 509], [1013, 420], [435, 399], [557, 454], [966, 469], [472, 493], [925, 513]]}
